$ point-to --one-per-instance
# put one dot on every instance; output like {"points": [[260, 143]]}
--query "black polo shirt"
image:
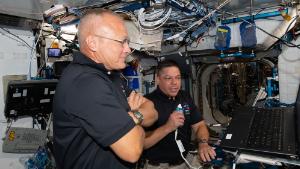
{"points": [[90, 113], [166, 150]]}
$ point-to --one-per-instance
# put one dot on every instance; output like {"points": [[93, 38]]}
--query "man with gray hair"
{"points": [[97, 121]]}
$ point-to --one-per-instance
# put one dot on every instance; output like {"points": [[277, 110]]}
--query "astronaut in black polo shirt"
{"points": [[96, 125], [161, 148]]}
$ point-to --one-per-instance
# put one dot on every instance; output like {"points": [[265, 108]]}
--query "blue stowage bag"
{"points": [[248, 34], [223, 37]]}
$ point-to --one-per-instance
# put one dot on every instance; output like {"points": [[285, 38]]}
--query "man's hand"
{"points": [[206, 152], [135, 100], [176, 119]]}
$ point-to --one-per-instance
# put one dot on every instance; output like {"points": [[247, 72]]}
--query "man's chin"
{"points": [[122, 66], [173, 94]]}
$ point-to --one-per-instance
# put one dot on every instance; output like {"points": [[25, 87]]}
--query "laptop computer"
{"points": [[265, 131], [23, 140]]}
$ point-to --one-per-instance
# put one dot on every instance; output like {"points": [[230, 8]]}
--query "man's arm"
{"points": [[175, 120], [206, 152], [139, 103], [130, 146], [149, 112]]}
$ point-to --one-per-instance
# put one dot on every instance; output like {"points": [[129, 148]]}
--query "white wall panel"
{"points": [[15, 57], [289, 73]]}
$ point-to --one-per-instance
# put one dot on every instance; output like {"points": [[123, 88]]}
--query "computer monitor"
{"points": [[54, 52], [29, 98]]}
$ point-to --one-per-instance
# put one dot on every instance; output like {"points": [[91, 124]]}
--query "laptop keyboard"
{"points": [[23, 140], [266, 131]]}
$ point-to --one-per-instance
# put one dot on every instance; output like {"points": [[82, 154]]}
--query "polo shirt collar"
{"points": [[80, 58], [163, 95]]}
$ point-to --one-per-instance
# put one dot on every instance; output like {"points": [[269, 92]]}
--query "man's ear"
{"points": [[156, 80], [91, 43]]}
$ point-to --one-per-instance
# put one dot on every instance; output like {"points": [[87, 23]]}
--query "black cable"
{"points": [[262, 9], [17, 37], [11, 37], [289, 44], [291, 23]]}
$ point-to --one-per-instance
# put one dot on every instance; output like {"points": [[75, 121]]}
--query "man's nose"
{"points": [[174, 81], [127, 48]]}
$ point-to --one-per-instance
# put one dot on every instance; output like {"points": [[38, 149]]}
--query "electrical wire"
{"points": [[288, 28], [289, 44], [15, 39], [40, 69], [33, 50], [23, 41], [145, 43], [181, 150], [162, 21], [199, 22], [48, 122]]}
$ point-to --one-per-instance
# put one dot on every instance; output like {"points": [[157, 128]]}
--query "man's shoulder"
{"points": [[76, 78], [151, 96], [78, 71], [184, 95]]}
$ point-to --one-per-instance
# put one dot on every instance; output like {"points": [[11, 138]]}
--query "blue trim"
{"points": [[237, 55], [258, 16]]}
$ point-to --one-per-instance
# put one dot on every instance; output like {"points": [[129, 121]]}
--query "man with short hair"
{"points": [[162, 151], [96, 124]]}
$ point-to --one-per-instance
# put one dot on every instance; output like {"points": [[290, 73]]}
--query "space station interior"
{"points": [[232, 54]]}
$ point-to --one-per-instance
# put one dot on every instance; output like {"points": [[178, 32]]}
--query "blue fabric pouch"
{"points": [[248, 34], [223, 37]]}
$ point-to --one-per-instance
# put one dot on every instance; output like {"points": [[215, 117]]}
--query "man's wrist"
{"points": [[139, 116]]}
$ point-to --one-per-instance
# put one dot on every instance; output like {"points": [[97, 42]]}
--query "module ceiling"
{"points": [[34, 9]]}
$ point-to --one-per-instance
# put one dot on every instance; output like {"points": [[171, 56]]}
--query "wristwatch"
{"points": [[139, 117]]}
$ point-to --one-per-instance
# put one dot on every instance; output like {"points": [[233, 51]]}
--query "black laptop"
{"points": [[265, 131]]}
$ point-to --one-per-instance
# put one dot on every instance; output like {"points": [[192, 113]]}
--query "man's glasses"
{"points": [[123, 42]]}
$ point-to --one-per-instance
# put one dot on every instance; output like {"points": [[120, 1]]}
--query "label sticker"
{"points": [[46, 91], [44, 100], [228, 136], [17, 94], [24, 93]]}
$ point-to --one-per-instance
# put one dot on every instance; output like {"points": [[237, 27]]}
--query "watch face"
{"points": [[139, 116]]}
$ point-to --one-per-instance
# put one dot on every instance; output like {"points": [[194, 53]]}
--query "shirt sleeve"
{"points": [[125, 86], [96, 106]]}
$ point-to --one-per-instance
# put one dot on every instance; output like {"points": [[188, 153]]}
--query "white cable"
{"points": [[154, 15], [33, 49], [233, 165], [143, 23], [199, 21], [49, 122], [259, 95], [181, 149], [150, 29]]}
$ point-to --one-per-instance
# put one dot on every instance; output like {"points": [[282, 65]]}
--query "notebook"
{"points": [[23, 140], [265, 131]]}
